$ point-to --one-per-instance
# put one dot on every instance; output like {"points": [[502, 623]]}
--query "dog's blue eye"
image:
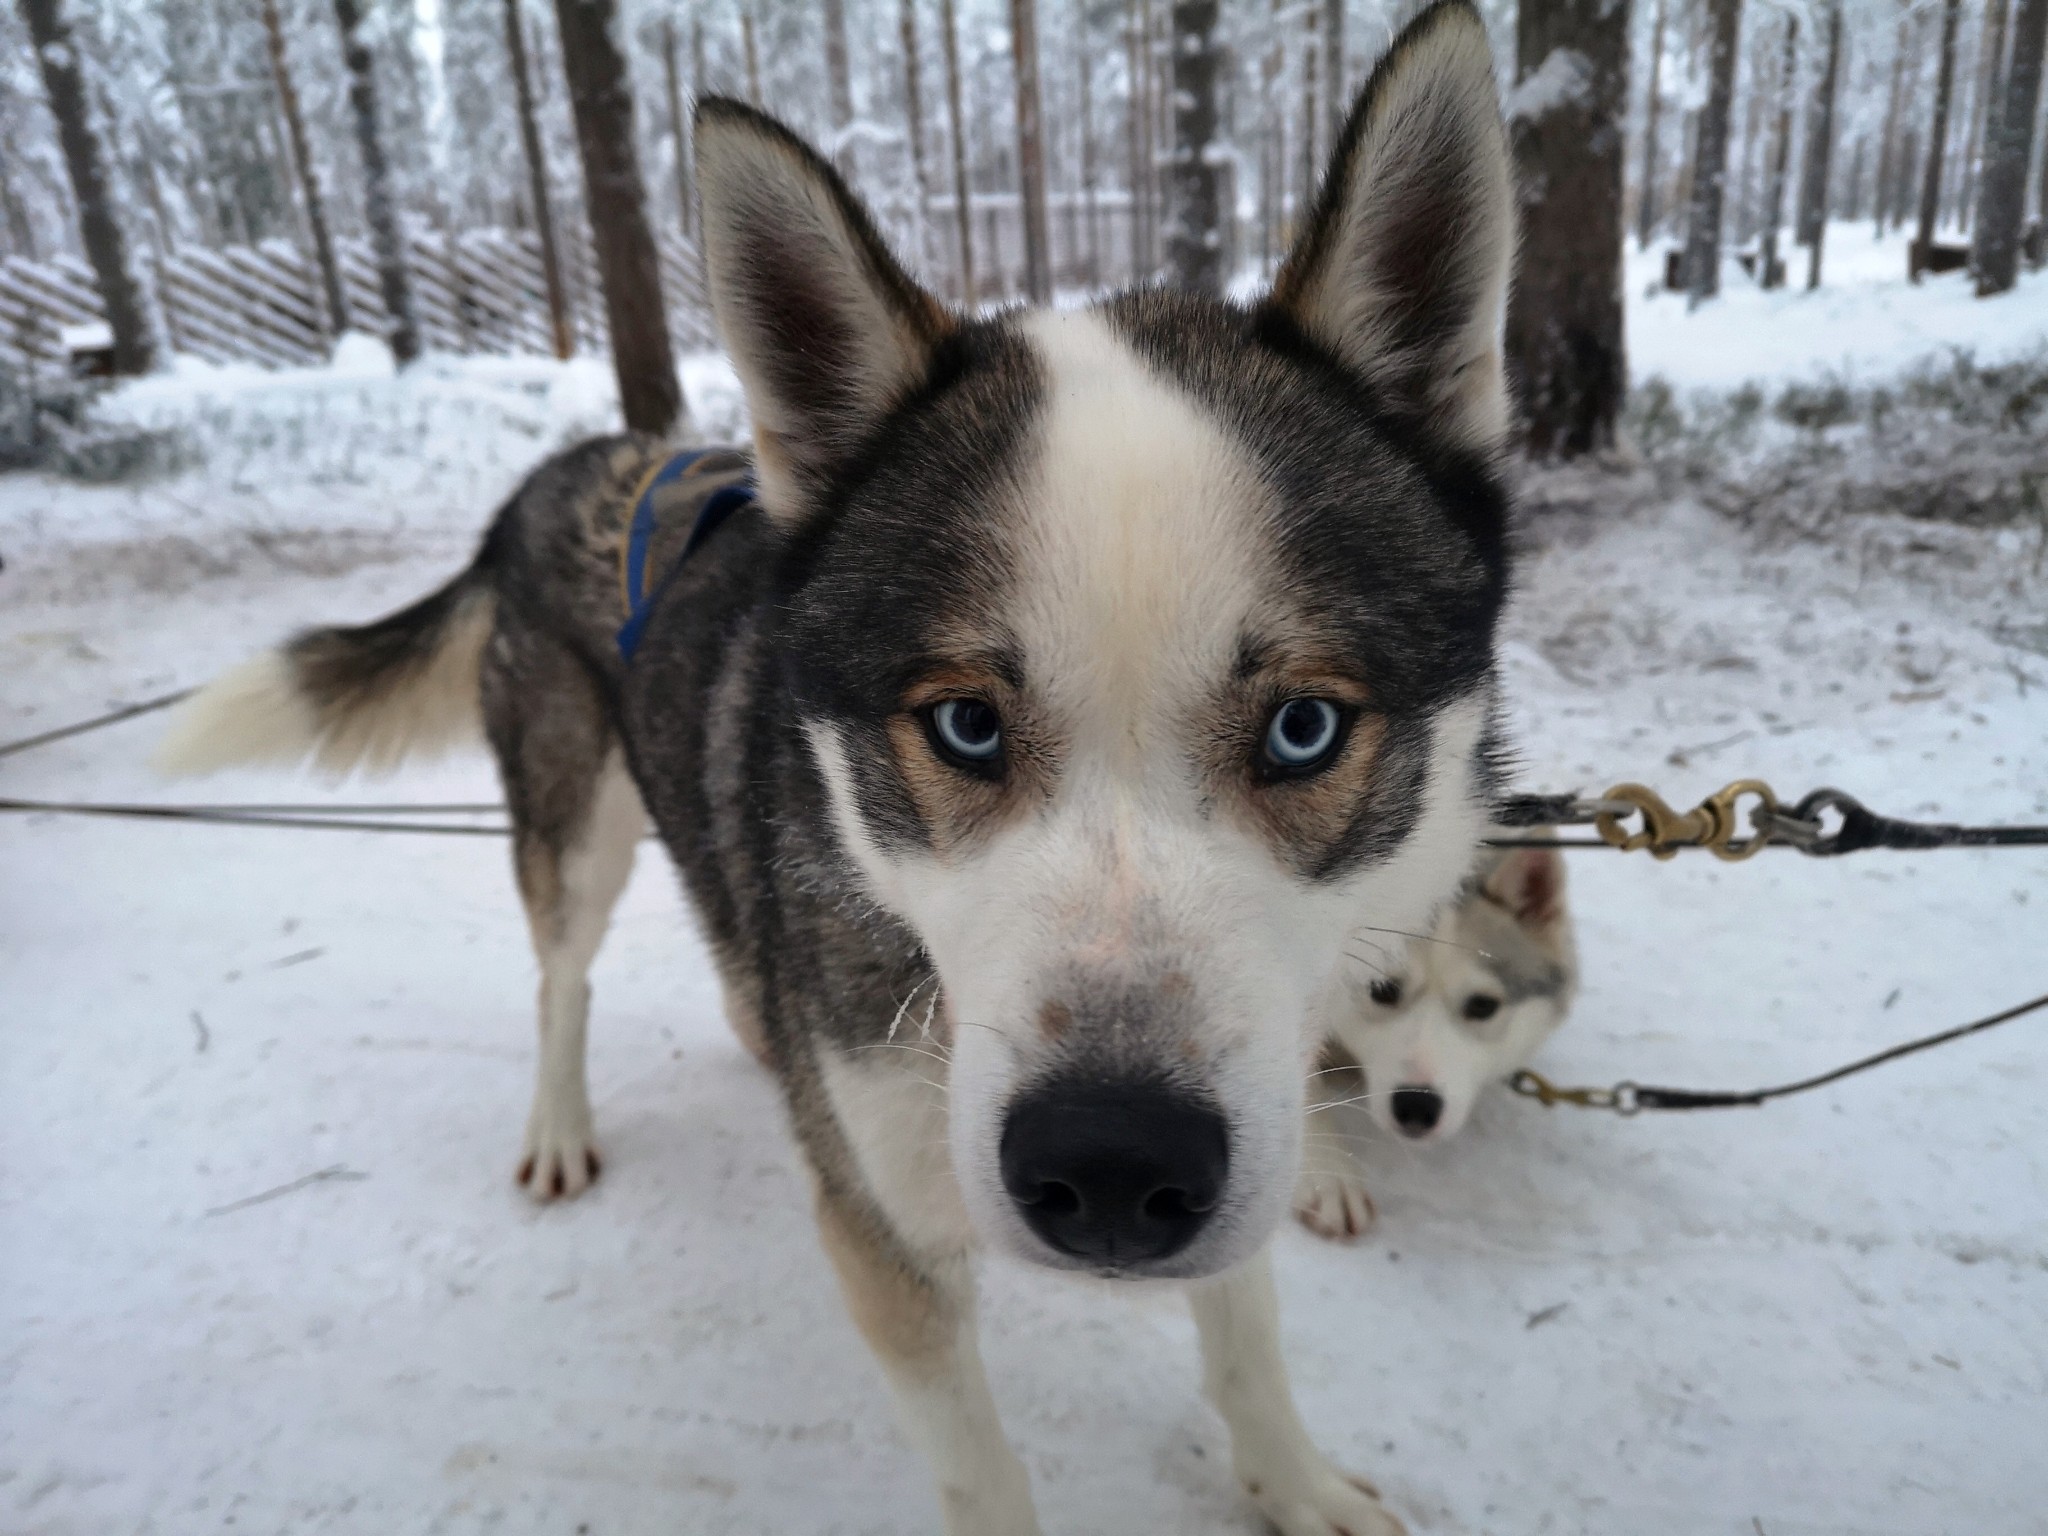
{"points": [[967, 730], [1302, 734]]}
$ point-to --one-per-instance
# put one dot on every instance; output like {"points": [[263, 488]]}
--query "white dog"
{"points": [[1434, 1020]]}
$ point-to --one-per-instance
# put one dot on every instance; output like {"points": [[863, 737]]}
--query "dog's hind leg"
{"points": [[576, 819], [1293, 1484], [918, 1318]]}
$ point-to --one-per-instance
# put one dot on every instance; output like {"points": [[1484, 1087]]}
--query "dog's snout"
{"points": [[1114, 1173], [1417, 1110]]}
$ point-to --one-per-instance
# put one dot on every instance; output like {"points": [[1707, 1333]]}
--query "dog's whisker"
{"points": [[1426, 938]]}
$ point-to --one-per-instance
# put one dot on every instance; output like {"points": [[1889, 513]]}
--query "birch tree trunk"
{"points": [[303, 170], [560, 331], [1770, 268], [1937, 142], [1820, 144], [962, 207], [85, 161], [628, 265], [1031, 150], [1646, 204], [380, 205], [1565, 345], [1995, 255], [678, 121], [1194, 237], [1710, 156]]}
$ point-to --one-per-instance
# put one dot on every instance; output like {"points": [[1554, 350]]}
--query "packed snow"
{"points": [[1830, 1316]]}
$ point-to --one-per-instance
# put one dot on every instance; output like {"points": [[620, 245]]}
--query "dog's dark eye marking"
{"points": [[1386, 992], [967, 733], [1480, 1006], [1302, 738]]}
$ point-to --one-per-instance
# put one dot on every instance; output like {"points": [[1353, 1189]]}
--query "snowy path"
{"points": [[1826, 1317]]}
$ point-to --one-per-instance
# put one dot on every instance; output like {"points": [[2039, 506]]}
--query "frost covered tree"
{"points": [[615, 199], [1995, 255], [1820, 146], [380, 201], [1565, 346], [1710, 154], [1937, 142], [1770, 266], [1194, 232], [100, 226]]}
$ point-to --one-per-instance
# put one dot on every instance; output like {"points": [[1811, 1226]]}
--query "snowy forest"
{"points": [[1011, 149]]}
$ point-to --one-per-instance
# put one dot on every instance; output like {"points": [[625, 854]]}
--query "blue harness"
{"points": [[711, 516]]}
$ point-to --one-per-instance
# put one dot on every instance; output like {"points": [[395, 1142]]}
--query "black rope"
{"points": [[98, 722], [334, 818], [1628, 1098]]}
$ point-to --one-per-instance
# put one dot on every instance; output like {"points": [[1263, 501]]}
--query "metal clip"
{"points": [[1713, 824], [1621, 1098]]}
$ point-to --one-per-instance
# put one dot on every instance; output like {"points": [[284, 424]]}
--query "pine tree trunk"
{"points": [[913, 109], [678, 121], [1996, 252], [1333, 71], [1990, 58], [85, 159], [1194, 237], [561, 333], [1084, 50], [1746, 193], [1134, 39], [1888, 138], [1710, 156], [1311, 117], [1937, 142], [962, 206], [1030, 150], [380, 204], [308, 178], [752, 50], [1646, 203], [839, 76], [1821, 143], [1565, 345], [601, 96], [1770, 269]]}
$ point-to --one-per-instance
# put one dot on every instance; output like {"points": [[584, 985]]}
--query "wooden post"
{"points": [[561, 332]]}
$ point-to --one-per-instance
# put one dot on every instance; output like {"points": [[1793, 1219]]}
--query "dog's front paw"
{"points": [[1319, 1500], [560, 1160], [1332, 1202]]}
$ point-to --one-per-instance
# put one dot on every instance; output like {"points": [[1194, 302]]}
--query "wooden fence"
{"points": [[480, 292]]}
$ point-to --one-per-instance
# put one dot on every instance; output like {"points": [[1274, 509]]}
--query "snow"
{"points": [[1864, 318], [1563, 79], [1830, 1316]]}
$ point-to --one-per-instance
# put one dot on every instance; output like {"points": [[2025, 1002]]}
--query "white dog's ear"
{"points": [[1402, 271], [1529, 882], [826, 329]]}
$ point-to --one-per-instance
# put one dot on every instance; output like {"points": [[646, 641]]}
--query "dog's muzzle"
{"points": [[1118, 1175]]}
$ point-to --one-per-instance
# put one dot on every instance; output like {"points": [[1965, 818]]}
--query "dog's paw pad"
{"points": [[1334, 1205], [558, 1166], [1323, 1502]]}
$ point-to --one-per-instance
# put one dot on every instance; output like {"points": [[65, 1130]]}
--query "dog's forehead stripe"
{"points": [[1140, 560]]}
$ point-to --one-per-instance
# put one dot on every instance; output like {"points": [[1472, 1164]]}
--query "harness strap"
{"points": [[638, 600]]}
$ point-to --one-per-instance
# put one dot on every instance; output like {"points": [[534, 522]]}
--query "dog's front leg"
{"points": [[918, 1318], [1293, 1484]]}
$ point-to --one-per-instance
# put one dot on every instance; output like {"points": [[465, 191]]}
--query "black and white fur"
{"points": [[1133, 534]]}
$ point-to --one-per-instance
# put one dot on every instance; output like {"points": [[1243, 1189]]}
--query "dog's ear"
{"points": [[1529, 882], [826, 330], [1402, 271]]}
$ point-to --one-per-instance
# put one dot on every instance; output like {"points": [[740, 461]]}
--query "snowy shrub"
{"points": [[48, 424]]}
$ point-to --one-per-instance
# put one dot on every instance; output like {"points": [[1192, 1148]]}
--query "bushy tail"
{"points": [[367, 697]]}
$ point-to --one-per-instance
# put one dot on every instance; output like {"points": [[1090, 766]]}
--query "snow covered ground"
{"points": [[1830, 1316]]}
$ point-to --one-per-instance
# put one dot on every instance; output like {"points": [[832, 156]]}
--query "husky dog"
{"points": [[1077, 683], [1433, 1019]]}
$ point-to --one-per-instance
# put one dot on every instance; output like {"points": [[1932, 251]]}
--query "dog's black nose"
{"points": [[1417, 1110], [1115, 1173]]}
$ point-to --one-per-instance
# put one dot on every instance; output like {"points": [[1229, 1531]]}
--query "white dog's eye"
{"points": [[1480, 1006], [1302, 735], [968, 731], [1387, 992]]}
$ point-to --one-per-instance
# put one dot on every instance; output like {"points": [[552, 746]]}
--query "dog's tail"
{"points": [[366, 696]]}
